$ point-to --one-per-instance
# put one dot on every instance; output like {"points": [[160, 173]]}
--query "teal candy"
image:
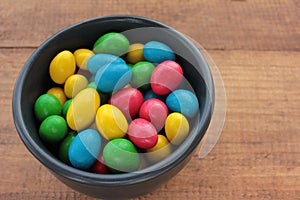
{"points": [[150, 94], [113, 77], [99, 60], [183, 101], [157, 52], [84, 149]]}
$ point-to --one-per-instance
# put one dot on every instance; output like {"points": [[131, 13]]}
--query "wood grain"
{"points": [[255, 45], [229, 25]]}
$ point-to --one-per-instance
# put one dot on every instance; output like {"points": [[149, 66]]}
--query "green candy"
{"points": [[120, 155], [64, 147], [46, 105], [66, 107], [53, 129], [104, 97], [112, 43], [141, 73]]}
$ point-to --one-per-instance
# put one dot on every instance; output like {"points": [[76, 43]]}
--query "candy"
{"points": [[59, 94], [111, 122], [63, 151], [62, 66], [161, 150], [150, 94], [176, 128], [74, 84], [166, 77], [183, 101], [99, 60], [121, 155], [99, 167], [82, 56], [85, 149], [113, 77], [112, 43], [128, 100], [66, 107], [157, 52], [155, 111], [83, 108], [46, 105], [135, 53], [53, 129], [142, 133], [141, 73]]}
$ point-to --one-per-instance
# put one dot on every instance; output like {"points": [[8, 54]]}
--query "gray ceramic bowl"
{"points": [[34, 80]]}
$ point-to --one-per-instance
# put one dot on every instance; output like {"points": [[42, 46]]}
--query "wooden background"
{"points": [[255, 44]]}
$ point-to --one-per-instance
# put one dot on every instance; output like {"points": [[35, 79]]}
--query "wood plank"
{"points": [[229, 25], [257, 156]]}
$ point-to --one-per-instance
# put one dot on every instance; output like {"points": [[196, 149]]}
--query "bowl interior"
{"points": [[34, 80]]}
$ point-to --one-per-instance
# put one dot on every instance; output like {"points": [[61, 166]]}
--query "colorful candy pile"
{"points": [[115, 108]]}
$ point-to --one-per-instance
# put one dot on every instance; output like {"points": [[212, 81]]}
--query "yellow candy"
{"points": [[83, 108], [161, 150], [62, 66], [59, 93], [74, 84], [176, 128], [135, 53], [82, 56], [111, 122]]}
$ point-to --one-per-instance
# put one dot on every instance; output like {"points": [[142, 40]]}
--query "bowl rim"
{"points": [[150, 172]]}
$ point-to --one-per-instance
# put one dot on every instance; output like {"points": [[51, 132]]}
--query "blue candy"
{"points": [[157, 52], [84, 149], [99, 60], [183, 101], [150, 94], [112, 77]]}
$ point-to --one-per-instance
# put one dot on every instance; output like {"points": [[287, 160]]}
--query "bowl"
{"points": [[34, 79]]}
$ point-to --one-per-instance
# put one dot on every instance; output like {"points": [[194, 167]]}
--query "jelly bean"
{"points": [[99, 60], [112, 43], [84, 149], [135, 53], [63, 151], [46, 105], [183, 101], [121, 155], [128, 100], [141, 73], [176, 128], [111, 122], [166, 77], [62, 66], [150, 94], [99, 167], [113, 77], [83, 108], [155, 111], [82, 56], [161, 150], [142, 133], [59, 93], [53, 129], [157, 52], [74, 84]]}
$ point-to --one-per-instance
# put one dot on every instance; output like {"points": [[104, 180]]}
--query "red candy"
{"points": [[142, 133], [155, 111], [128, 100], [99, 167], [166, 77]]}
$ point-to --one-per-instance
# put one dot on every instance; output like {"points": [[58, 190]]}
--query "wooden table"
{"points": [[256, 46]]}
